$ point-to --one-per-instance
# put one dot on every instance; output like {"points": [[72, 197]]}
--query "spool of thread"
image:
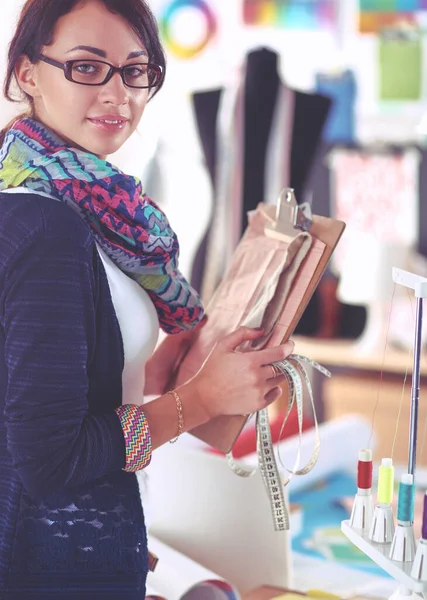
{"points": [[424, 527], [405, 502], [364, 470], [386, 481]]}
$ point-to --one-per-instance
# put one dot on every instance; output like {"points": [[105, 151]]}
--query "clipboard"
{"points": [[281, 225]]}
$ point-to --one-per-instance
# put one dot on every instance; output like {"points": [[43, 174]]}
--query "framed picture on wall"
{"points": [[315, 15], [377, 15]]}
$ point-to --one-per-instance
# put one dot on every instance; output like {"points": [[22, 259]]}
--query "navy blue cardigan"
{"points": [[71, 521]]}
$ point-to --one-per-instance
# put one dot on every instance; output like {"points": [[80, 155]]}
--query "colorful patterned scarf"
{"points": [[127, 225]]}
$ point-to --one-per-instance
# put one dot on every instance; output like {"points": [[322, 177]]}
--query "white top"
{"points": [[139, 327]]}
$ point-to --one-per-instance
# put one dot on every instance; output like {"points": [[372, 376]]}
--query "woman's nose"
{"points": [[115, 91]]}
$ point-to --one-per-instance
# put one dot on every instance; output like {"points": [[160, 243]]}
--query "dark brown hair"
{"points": [[37, 23]]}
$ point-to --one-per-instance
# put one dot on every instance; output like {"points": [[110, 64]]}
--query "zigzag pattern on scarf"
{"points": [[130, 228]]}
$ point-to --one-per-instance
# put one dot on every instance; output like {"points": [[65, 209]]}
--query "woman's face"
{"points": [[77, 113]]}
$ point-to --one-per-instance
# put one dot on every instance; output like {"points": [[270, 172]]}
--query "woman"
{"points": [[88, 273]]}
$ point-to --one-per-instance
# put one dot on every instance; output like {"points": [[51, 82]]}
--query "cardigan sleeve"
{"points": [[50, 330]]}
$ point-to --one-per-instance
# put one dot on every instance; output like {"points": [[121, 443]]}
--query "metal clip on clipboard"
{"points": [[291, 218]]}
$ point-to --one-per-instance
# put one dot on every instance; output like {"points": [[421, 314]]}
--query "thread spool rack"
{"points": [[379, 553], [411, 572]]}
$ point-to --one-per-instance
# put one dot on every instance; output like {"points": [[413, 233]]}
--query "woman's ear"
{"points": [[25, 72]]}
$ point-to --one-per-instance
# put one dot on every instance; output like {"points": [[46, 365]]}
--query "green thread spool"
{"points": [[385, 481], [405, 502]]}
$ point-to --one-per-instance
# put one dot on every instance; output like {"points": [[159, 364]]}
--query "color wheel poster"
{"points": [[189, 28], [199, 38]]}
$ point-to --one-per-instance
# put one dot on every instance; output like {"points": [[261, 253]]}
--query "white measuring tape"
{"points": [[294, 370]]}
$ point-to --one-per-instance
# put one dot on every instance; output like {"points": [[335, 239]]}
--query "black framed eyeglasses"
{"points": [[98, 72]]}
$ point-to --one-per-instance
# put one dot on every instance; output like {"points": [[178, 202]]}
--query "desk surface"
{"points": [[268, 593], [264, 593], [342, 353]]}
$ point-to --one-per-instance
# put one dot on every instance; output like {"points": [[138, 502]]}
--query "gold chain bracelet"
{"points": [[180, 415]]}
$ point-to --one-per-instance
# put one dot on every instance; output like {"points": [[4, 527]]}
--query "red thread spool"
{"points": [[364, 470]]}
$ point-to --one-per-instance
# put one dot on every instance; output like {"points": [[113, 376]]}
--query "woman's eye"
{"points": [[86, 69], [136, 71]]}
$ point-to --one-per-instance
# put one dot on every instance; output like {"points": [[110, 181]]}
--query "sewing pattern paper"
{"points": [[376, 194]]}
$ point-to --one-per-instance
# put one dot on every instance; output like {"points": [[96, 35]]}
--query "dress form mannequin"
{"points": [[261, 87], [263, 98]]}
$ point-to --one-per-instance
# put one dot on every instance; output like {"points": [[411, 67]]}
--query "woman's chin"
{"points": [[102, 144], [103, 150]]}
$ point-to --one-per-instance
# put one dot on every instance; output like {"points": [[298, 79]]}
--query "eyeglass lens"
{"points": [[93, 72]]}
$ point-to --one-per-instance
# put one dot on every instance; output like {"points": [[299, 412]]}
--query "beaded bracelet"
{"points": [[180, 415], [137, 436]]}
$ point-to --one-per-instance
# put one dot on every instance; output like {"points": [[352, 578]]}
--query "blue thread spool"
{"points": [[405, 503]]}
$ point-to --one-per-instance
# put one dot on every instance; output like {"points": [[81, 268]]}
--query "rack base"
{"points": [[379, 553]]}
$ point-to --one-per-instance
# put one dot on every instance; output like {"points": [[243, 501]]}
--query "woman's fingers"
{"points": [[274, 354], [270, 372], [273, 395], [243, 334], [231, 382]]}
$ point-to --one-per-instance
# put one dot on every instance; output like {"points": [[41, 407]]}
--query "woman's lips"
{"points": [[109, 124]]}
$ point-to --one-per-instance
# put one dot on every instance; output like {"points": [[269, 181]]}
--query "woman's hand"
{"points": [[160, 369], [232, 382]]}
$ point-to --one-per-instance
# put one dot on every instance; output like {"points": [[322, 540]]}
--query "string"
{"points": [[404, 383], [402, 395], [382, 369]]}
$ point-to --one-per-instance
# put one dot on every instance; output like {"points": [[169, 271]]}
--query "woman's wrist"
{"points": [[180, 415], [195, 410], [163, 414]]}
